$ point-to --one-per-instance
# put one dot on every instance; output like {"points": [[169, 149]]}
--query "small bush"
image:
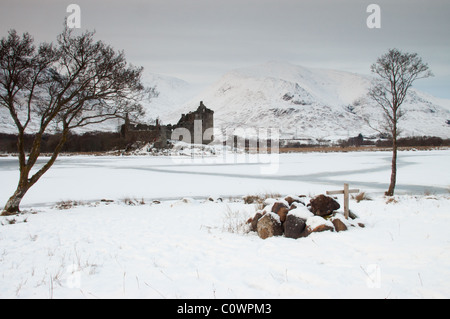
{"points": [[235, 222], [258, 200], [68, 204], [133, 201], [361, 196], [391, 200]]}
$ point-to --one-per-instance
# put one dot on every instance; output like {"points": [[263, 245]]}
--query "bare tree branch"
{"points": [[75, 83], [396, 72]]}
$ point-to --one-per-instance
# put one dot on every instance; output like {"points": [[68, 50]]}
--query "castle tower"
{"points": [[125, 127], [198, 122], [207, 117]]}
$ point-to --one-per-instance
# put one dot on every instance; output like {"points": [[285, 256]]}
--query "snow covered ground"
{"points": [[158, 235]]}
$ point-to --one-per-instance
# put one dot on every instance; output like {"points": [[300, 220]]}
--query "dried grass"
{"points": [[68, 204], [361, 196]]}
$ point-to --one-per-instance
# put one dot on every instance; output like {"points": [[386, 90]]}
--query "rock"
{"points": [[269, 225], [302, 212], [281, 209], [352, 215], [254, 221], [250, 199], [294, 226], [317, 224], [214, 199], [277, 206], [289, 199], [269, 201], [282, 212], [322, 228], [292, 199], [339, 225], [323, 205]]}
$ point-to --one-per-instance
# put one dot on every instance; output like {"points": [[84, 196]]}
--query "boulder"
{"points": [[281, 209], [277, 206], [302, 212], [269, 201], [294, 226], [269, 225], [283, 212], [352, 215], [322, 228], [292, 199], [323, 205], [338, 224], [254, 221], [317, 224]]}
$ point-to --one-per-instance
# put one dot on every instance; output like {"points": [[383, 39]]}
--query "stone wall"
{"points": [[204, 117], [200, 121]]}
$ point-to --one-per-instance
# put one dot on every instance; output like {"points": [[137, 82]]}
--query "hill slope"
{"points": [[302, 102], [315, 103], [172, 93]]}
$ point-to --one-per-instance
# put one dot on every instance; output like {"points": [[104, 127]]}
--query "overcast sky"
{"points": [[200, 40]]}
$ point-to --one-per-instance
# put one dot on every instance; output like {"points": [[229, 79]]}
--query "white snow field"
{"points": [[187, 246]]}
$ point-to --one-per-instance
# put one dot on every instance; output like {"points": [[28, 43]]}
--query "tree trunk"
{"points": [[25, 183], [390, 191], [12, 205]]}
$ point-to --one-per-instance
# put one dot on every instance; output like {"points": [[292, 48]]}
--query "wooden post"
{"points": [[346, 201], [346, 191]]}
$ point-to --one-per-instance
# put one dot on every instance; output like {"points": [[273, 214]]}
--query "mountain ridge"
{"points": [[301, 102], [315, 103]]}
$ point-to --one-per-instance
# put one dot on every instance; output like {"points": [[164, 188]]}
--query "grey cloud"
{"points": [[201, 39]]}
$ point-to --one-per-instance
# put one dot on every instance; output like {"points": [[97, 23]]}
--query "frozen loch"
{"points": [[163, 227]]}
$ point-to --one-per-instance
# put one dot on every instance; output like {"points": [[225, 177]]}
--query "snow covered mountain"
{"points": [[172, 93], [301, 102], [311, 103]]}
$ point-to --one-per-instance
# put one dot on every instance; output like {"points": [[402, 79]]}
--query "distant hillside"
{"points": [[312, 103], [172, 93], [302, 102]]}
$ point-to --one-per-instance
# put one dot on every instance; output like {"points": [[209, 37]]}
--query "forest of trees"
{"points": [[76, 143]]}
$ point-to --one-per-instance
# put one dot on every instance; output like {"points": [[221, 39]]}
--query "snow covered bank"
{"points": [[184, 249]]}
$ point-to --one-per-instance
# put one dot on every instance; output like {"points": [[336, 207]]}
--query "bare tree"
{"points": [[396, 73], [73, 83]]}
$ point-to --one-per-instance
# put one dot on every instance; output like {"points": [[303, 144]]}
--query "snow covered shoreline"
{"points": [[185, 249]]}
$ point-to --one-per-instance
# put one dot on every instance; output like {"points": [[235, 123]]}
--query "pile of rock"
{"points": [[294, 218]]}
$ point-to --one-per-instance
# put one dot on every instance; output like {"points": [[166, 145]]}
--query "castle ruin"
{"points": [[197, 122]]}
